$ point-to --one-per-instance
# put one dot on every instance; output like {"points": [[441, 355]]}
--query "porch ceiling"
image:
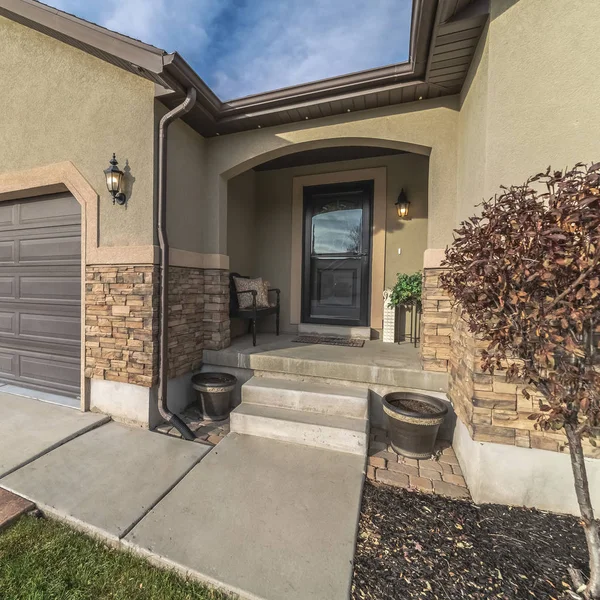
{"points": [[325, 155], [444, 36]]}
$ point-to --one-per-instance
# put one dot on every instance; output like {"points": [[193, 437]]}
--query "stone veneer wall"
{"points": [[186, 320], [436, 325], [493, 409], [121, 323], [121, 320], [217, 326]]}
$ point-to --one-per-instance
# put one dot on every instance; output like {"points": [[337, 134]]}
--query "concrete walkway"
{"points": [[106, 480], [29, 429], [263, 518]]}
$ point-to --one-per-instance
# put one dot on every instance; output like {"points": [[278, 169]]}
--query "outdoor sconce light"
{"points": [[114, 182], [402, 205]]}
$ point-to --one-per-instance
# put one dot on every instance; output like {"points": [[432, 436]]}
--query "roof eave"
{"points": [[87, 35], [423, 73]]}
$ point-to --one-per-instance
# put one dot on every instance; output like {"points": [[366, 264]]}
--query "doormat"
{"points": [[329, 341]]}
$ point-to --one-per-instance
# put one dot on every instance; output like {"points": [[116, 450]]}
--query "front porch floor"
{"points": [[376, 363]]}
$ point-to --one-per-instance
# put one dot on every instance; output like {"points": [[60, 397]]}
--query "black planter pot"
{"points": [[414, 420], [214, 394]]}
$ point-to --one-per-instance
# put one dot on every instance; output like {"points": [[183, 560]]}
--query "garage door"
{"points": [[40, 293]]}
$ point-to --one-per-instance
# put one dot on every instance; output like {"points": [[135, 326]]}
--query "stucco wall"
{"points": [[242, 233], [408, 171], [531, 102], [260, 220], [472, 134], [186, 167], [243, 242], [59, 103], [427, 128]]}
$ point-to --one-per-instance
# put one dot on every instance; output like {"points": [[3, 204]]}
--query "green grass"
{"points": [[41, 559]]}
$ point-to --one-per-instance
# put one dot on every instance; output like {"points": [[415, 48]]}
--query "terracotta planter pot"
{"points": [[414, 421]]}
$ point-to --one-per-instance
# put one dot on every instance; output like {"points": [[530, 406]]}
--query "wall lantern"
{"points": [[114, 182], [402, 205]]}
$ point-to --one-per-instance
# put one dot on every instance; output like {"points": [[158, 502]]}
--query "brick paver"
{"points": [[440, 474], [12, 507]]}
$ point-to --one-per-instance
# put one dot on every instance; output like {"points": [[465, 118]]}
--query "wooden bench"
{"points": [[252, 313]]}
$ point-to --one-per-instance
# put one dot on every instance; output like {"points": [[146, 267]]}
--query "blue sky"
{"points": [[242, 47]]}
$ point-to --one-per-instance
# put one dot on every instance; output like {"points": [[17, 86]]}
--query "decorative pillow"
{"points": [[270, 303], [244, 285]]}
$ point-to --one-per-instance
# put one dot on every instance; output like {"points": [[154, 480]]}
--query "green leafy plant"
{"points": [[407, 291], [526, 274]]}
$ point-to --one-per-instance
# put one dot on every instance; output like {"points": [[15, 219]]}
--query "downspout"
{"points": [[163, 243]]}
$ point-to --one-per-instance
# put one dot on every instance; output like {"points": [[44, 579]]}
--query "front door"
{"points": [[337, 253]]}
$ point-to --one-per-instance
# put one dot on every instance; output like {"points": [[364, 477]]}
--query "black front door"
{"points": [[337, 253]]}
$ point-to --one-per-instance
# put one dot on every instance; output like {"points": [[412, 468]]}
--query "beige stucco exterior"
{"points": [[530, 100], [428, 128], [244, 237], [186, 174], [61, 104], [526, 104]]}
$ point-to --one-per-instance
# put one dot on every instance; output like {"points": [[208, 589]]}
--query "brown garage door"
{"points": [[40, 293]]}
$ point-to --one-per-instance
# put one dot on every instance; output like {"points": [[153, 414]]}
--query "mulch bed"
{"points": [[414, 545]]}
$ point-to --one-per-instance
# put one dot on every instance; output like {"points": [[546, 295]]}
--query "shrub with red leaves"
{"points": [[526, 274]]}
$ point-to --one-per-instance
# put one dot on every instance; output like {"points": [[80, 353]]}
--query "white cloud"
{"points": [[169, 24], [297, 42], [242, 47]]}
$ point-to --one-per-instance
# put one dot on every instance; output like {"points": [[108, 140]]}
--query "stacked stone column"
{"points": [[217, 326], [492, 408], [436, 325], [121, 323], [186, 320]]}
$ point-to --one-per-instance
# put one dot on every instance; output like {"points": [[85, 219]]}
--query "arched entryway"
{"points": [[270, 233]]}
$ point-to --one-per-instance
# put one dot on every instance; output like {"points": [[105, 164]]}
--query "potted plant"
{"points": [[406, 293], [414, 420]]}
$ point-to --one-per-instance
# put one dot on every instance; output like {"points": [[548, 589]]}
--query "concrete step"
{"points": [[377, 364], [320, 398], [333, 432]]}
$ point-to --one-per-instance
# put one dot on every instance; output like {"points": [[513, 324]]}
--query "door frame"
{"points": [[378, 231], [365, 295]]}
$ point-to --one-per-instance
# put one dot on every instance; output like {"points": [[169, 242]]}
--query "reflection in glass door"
{"points": [[337, 251]]}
